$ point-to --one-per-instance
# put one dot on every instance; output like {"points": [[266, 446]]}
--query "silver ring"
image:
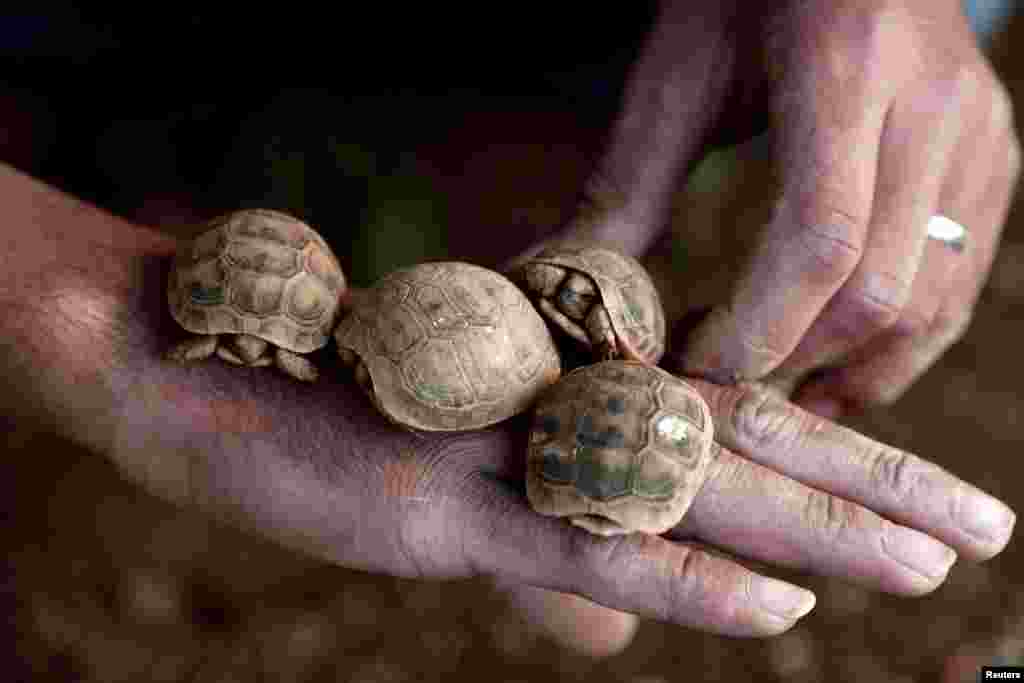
{"points": [[947, 231]]}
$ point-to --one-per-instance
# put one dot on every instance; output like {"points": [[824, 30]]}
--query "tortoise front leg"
{"points": [[295, 365], [246, 350], [250, 348], [196, 347], [602, 334], [226, 354]]}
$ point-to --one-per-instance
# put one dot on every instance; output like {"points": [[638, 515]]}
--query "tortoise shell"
{"points": [[627, 291], [450, 346], [618, 447], [258, 272]]}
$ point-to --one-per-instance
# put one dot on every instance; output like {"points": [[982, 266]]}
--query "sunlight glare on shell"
{"points": [[672, 428]]}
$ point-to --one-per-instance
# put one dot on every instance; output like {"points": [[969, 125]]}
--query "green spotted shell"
{"points": [[450, 346], [258, 272], [618, 447]]}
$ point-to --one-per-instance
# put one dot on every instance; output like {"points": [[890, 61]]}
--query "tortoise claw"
{"points": [[226, 354]]}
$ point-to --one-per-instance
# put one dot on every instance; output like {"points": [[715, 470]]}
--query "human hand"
{"points": [[710, 74], [882, 114], [316, 468], [885, 114]]}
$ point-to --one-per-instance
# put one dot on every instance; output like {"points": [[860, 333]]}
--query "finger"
{"points": [[829, 123], [756, 423], [917, 144], [896, 361], [672, 97], [979, 189], [638, 573], [769, 517], [574, 622]]}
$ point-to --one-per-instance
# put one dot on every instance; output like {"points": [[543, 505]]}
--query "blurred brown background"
{"points": [[109, 584]]}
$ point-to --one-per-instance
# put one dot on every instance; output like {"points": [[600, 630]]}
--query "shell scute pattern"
{"points": [[397, 333], [272, 226], [434, 373], [621, 440], [389, 292], [475, 364], [462, 350], [482, 302], [684, 401], [258, 272], [253, 293], [438, 310], [263, 257]]}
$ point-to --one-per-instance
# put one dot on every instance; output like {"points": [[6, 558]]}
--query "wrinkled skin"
{"points": [[316, 468], [882, 113]]}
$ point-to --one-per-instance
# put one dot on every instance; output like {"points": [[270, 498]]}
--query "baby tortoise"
{"points": [[447, 346], [618, 447], [600, 297], [257, 288]]}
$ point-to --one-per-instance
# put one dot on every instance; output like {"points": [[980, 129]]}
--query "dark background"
{"points": [[399, 135]]}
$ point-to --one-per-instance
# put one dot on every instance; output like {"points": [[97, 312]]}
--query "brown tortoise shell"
{"points": [[258, 272], [627, 291], [617, 447], [450, 346]]}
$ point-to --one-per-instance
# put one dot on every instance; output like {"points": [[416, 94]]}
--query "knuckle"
{"points": [[599, 563], [872, 306], [684, 581], [759, 418], [829, 516], [654, 572], [831, 254], [895, 471]]}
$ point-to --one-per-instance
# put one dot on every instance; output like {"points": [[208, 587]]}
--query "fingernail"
{"points": [[918, 552], [987, 518], [782, 599]]}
